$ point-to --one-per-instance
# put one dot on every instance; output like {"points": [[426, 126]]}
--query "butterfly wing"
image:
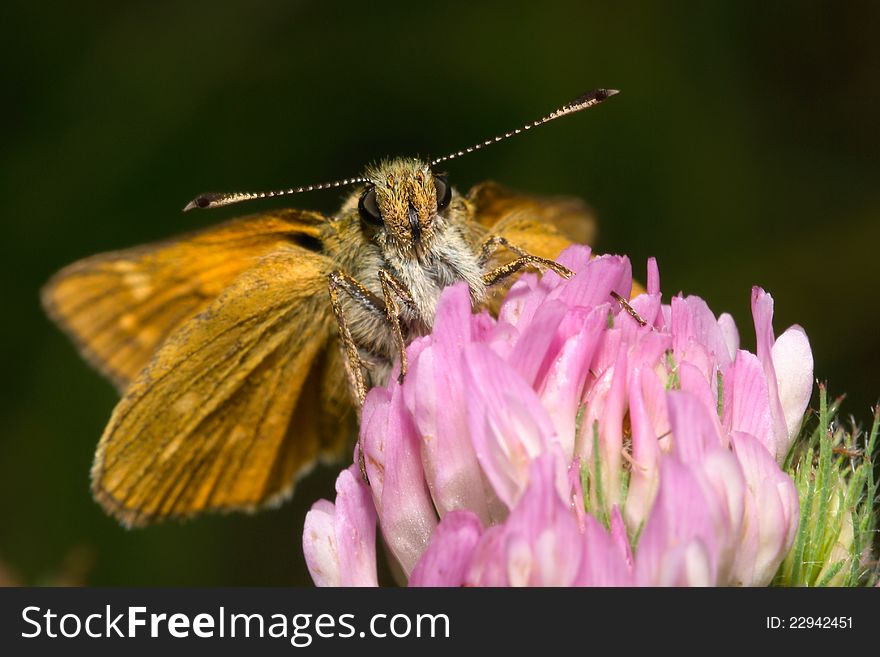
{"points": [[541, 226], [229, 411], [119, 307]]}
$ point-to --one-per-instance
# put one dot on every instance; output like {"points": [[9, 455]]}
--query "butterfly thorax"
{"points": [[409, 224]]}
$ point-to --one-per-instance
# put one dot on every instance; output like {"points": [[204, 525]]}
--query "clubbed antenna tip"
{"points": [[587, 100], [215, 200]]}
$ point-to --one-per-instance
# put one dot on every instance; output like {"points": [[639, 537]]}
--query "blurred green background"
{"points": [[743, 150]]}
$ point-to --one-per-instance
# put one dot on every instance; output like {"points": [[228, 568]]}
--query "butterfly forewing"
{"points": [[119, 307], [225, 416]]}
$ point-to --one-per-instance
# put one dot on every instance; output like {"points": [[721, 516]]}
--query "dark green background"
{"points": [[743, 149]]}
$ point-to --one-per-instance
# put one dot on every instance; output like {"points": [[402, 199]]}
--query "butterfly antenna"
{"points": [[217, 200], [589, 99]]}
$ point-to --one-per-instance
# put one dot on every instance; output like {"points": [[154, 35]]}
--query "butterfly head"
{"points": [[402, 201]]}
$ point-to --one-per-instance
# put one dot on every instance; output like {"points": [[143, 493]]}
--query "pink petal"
{"points": [[772, 513], [508, 426], [604, 562], [373, 433], [407, 512], [793, 363], [654, 397], [665, 318], [693, 382], [448, 558], [722, 478], [747, 400], [645, 474], [593, 284], [762, 312], [693, 434], [564, 384], [621, 539], [678, 546], [355, 530], [576, 492], [611, 432], [697, 443], [648, 305], [697, 336], [488, 565], [576, 257], [606, 352], [319, 544], [648, 308], [530, 291], [523, 298], [729, 333], [339, 541], [653, 277], [707, 331], [542, 544], [598, 387], [532, 354], [539, 544], [649, 350], [454, 320], [434, 393], [680, 324]]}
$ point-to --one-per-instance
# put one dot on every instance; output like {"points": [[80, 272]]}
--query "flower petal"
{"points": [[339, 541], [747, 400], [593, 284], [408, 516], [645, 473], [355, 530], [611, 432], [730, 333], [772, 513], [793, 363], [532, 354], [508, 426], [679, 545], [693, 434], [543, 545], [373, 434], [564, 384], [653, 277], [319, 544], [434, 393], [693, 382], [448, 558], [762, 313]]}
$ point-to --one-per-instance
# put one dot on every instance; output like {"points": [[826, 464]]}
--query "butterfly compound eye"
{"points": [[368, 207], [444, 191]]}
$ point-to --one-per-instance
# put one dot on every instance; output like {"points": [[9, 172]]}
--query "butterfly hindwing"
{"points": [[542, 226], [224, 416]]}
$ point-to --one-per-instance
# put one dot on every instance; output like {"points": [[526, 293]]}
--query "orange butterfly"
{"points": [[226, 347]]}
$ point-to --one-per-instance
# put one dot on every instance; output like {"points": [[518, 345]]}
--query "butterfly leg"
{"points": [[339, 281], [392, 290], [524, 259], [632, 312]]}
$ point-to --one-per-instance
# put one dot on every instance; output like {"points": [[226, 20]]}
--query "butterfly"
{"points": [[243, 351]]}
